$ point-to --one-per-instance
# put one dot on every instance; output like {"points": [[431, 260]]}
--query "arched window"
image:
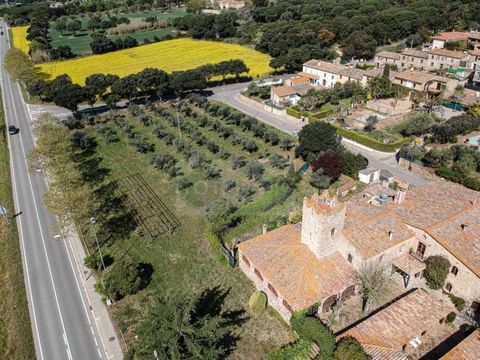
{"points": [[454, 270], [448, 287]]}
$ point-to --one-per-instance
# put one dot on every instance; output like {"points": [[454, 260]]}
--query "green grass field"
{"points": [[16, 340], [185, 261], [80, 44]]}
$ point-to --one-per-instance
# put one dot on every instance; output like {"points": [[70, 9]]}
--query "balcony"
{"points": [[419, 257]]}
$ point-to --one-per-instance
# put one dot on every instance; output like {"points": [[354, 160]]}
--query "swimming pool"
{"points": [[474, 140]]}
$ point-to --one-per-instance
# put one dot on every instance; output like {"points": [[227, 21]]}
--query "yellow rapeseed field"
{"points": [[20, 38], [171, 55]]}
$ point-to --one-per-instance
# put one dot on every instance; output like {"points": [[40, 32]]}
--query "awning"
{"points": [[409, 264]]}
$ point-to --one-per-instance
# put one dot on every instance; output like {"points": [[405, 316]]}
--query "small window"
{"points": [[423, 333], [454, 270], [350, 258], [272, 290], [258, 274], [245, 260], [404, 347], [287, 306], [332, 232], [448, 287]]}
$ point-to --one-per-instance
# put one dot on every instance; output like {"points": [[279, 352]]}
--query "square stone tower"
{"points": [[322, 224]]}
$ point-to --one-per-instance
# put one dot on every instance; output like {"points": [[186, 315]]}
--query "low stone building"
{"points": [[468, 349], [325, 74], [424, 82], [315, 262], [390, 333], [439, 59]]}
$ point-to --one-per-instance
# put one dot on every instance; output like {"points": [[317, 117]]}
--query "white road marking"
{"points": [[41, 229]]}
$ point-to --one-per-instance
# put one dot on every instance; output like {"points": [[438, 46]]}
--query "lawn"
{"points": [[20, 41], [15, 331], [80, 43], [172, 55], [185, 262]]}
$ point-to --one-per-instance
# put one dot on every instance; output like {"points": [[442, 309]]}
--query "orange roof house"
{"points": [[468, 349], [389, 333]]}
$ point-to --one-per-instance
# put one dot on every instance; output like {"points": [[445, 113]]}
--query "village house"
{"points": [[315, 262], [326, 75], [425, 82], [387, 57], [475, 61], [290, 93], [230, 4], [390, 333], [413, 58], [438, 41], [446, 59], [468, 349]]}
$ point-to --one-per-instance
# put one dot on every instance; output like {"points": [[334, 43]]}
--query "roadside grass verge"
{"points": [[16, 341]]}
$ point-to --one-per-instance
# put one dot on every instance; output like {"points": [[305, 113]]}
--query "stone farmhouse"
{"points": [[393, 331], [421, 81], [468, 349], [325, 74], [316, 261], [439, 41]]}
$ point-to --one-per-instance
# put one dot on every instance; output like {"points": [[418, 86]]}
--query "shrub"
{"points": [[211, 173], [319, 180], [218, 213], [258, 301], [349, 348], [318, 116], [458, 301], [278, 161], [125, 278], [436, 271], [250, 146], [142, 145], [254, 170], [451, 317], [182, 183], [238, 162], [163, 161], [310, 328], [229, 184], [331, 163], [196, 161], [299, 350], [245, 192]]}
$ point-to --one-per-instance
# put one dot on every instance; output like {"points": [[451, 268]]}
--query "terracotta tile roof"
{"points": [[474, 35], [353, 73], [324, 66], [420, 77], [299, 80], [309, 76], [396, 325], [372, 237], [451, 36], [459, 234], [283, 90], [409, 264], [475, 52], [293, 270], [448, 53], [373, 72], [415, 53], [389, 55], [468, 349], [382, 353]]}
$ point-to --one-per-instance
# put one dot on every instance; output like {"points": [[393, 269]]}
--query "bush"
{"points": [[238, 162], [451, 317], [258, 302], [125, 278], [319, 180], [182, 183], [318, 116], [436, 271], [254, 170], [245, 192], [457, 301], [299, 350], [312, 329], [229, 184], [211, 173], [349, 348]]}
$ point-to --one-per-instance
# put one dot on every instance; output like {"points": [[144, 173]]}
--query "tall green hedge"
{"points": [[370, 142], [292, 112], [322, 114], [299, 350]]}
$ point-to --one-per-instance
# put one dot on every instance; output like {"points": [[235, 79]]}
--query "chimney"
{"points": [[464, 227], [390, 235], [264, 228], [401, 194]]}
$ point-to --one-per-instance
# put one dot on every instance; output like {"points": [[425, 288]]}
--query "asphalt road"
{"points": [[61, 323], [230, 95]]}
